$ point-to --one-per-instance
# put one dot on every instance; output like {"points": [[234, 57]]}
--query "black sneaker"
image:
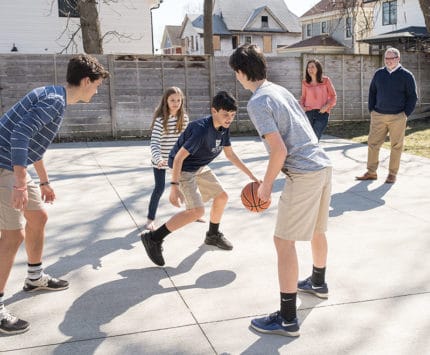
{"points": [[218, 240], [153, 248], [45, 282], [10, 324]]}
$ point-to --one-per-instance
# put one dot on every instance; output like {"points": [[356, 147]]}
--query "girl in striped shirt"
{"points": [[169, 121]]}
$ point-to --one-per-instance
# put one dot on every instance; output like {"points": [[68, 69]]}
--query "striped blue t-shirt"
{"points": [[29, 127]]}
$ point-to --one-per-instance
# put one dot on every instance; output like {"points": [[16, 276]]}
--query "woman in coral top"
{"points": [[318, 96]]}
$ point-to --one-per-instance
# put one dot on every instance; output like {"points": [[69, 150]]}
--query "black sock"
{"points": [[318, 276], [288, 306], [159, 234], [213, 228]]}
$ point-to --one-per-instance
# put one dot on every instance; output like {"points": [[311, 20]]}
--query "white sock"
{"points": [[34, 271]]}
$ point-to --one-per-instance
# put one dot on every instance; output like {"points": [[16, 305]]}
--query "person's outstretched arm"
{"points": [[235, 160], [176, 197]]}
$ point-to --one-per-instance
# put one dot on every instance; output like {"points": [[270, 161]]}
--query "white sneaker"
{"points": [[45, 282], [10, 324]]}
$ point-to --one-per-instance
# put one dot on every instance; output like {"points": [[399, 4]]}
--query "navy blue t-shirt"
{"points": [[202, 141]]}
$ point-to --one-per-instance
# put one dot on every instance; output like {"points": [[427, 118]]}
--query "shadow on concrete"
{"points": [[365, 199], [100, 305]]}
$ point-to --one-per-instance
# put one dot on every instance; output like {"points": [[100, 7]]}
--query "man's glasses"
{"points": [[389, 58]]}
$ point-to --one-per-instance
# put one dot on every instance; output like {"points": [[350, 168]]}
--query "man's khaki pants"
{"points": [[380, 125]]}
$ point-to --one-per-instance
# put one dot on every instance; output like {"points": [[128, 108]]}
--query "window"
{"points": [[264, 21], [68, 8], [217, 43], [235, 41], [248, 39], [308, 30], [197, 43], [323, 27], [389, 13], [348, 27], [267, 44]]}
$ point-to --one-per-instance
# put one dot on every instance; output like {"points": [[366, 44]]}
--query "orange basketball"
{"points": [[250, 199]]}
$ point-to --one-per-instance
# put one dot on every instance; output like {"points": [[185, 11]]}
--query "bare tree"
{"points": [[92, 39], [207, 27], [425, 8], [88, 27]]}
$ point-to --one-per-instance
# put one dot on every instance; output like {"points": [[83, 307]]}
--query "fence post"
{"points": [[162, 73], [211, 68], [343, 87], [418, 81], [112, 100], [361, 87], [186, 81]]}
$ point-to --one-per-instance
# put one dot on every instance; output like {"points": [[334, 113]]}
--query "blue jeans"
{"points": [[318, 121], [160, 182]]}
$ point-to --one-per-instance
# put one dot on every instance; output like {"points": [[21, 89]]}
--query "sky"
{"points": [[172, 12]]}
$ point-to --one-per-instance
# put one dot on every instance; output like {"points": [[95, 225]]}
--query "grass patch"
{"points": [[417, 136]]}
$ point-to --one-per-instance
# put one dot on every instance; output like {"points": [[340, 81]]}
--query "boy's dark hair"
{"points": [[83, 66], [224, 101], [249, 59]]}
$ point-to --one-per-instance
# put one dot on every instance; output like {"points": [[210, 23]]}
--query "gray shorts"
{"points": [[304, 204], [12, 218], [199, 187]]}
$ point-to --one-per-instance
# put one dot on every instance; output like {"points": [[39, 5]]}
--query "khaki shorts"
{"points": [[11, 218], [304, 205], [205, 181]]}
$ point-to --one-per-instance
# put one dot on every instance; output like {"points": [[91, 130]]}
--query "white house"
{"points": [[333, 27], [171, 40], [267, 23], [398, 23], [396, 14], [43, 26]]}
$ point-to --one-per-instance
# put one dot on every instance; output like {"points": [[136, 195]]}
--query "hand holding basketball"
{"points": [[251, 200]]}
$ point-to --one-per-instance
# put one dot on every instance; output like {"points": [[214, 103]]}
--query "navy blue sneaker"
{"points": [[309, 287], [275, 324]]}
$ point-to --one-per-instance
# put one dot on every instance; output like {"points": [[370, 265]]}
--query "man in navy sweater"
{"points": [[392, 98], [26, 130]]}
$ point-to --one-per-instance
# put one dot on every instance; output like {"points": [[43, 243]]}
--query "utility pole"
{"points": [[207, 27]]}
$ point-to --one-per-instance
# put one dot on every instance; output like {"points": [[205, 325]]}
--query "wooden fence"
{"points": [[125, 103]]}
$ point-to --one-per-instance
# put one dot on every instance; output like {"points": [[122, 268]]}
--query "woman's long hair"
{"points": [[163, 111], [319, 71]]}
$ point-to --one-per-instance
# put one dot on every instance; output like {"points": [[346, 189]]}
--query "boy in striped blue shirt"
{"points": [[26, 131]]}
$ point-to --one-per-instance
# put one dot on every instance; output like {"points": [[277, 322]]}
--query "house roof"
{"points": [[324, 6], [218, 25], [407, 32], [256, 13], [317, 41], [236, 17], [174, 34]]}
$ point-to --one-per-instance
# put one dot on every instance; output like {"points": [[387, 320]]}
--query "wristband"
{"points": [[174, 183], [44, 183]]}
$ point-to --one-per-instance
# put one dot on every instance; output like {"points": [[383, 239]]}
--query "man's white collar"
{"points": [[391, 71]]}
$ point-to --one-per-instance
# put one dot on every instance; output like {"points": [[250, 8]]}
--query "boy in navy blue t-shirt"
{"points": [[193, 182]]}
